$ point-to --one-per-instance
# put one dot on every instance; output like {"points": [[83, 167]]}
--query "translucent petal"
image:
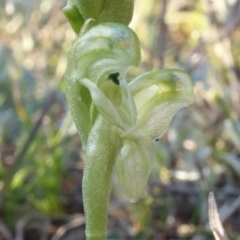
{"points": [[134, 165], [103, 104], [127, 104], [158, 96]]}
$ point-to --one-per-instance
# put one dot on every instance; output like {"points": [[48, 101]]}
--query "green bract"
{"points": [[73, 16], [117, 121], [102, 11]]}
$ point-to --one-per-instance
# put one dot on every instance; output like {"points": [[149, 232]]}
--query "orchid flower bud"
{"points": [[117, 11], [102, 11], [113, 11], [90, 8], [73, 16]]}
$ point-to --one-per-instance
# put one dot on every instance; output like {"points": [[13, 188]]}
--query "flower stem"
{"points": [[103, 146]]}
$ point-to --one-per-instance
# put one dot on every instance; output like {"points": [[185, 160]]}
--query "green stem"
{"points": [[103, 146]]}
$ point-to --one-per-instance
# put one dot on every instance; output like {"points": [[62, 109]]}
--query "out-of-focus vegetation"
{"points": [[41, 160]]}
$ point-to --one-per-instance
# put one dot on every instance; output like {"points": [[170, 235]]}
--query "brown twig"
{"points": [[214, 219], [5, 231], [67, 227], [23, 222], [162, 33]]}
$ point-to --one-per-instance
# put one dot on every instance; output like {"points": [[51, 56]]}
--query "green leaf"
{"points": [[19, 177], [134, 165], [158, 96]]}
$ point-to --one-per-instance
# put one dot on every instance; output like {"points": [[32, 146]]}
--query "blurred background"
{"points": [[41, 161]]}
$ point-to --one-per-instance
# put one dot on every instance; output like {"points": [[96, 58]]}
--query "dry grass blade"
{"points": [[214, 219], [68, 227], [4, 231]]}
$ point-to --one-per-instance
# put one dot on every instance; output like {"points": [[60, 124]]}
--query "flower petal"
{"points": [[158, 96], [134, 165], [103, 104], [105, 49]]}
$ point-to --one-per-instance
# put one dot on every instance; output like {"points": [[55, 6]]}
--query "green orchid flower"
{"points": [[117, 121]]}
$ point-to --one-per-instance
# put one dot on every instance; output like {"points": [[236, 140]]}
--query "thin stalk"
{"points": [[103, 146]]}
